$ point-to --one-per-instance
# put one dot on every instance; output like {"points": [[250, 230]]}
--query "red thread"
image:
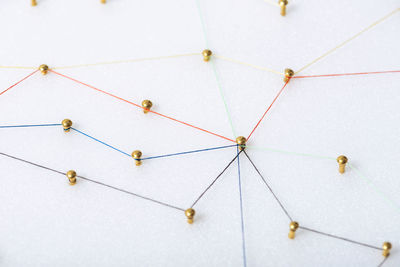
{"points": [[15, 84], [265, 113], [347, 74], [134, 104]]}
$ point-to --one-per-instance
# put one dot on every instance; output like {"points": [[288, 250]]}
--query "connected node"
{"points": [[44, 69], [206, 55], [342, 160], [33, 3], [71, 177], [146, 104], [288, 74], [137, 154], [283, 4], [387, 246], [241, 141], [67, 124], [292, 229], [190, 215]]}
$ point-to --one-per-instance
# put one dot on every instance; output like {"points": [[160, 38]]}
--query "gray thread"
{"points": [[270, 189], [202, 194], [383, 262], [130, 193], [31, 163], [93, 181], [341, 238]]}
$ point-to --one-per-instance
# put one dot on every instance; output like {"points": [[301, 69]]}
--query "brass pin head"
{"points": [[206, 55], [241, 141], [283, 4], [71, 175], [292, 229], [190, 215], [44, 69], [103, 1], [146, 104], [67, 124], [289, 73], [136, 155], [342, 160], [387, 246], [33, 3]]}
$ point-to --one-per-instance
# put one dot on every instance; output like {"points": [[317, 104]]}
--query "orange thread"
{"points": [[265, 113], [347, 74], [15, 84], [134, 104]]}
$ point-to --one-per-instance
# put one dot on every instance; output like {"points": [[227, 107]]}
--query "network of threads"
{"points": [[207, 54]]}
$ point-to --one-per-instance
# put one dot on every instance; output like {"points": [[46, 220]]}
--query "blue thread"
{"points": [[187, 152], [101, 142], [29, 125], [91, 137], [241, 212]]}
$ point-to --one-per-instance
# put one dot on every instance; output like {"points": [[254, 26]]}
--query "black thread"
{"points": [[219, 175]]}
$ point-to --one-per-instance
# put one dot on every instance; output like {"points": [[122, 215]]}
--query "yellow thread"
{"points": [[16, 67], [126, 61], [248, 64], [271, 2], [348, 40]]}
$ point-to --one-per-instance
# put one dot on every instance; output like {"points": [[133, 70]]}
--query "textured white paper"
{"points": [[46, 222]]}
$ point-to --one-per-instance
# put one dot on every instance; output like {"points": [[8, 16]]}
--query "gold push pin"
{"points": [[342, 160], [190, 215], [33, 3], [137, 154], [241, 141], [44, 69], [288, 74], [292, 229], [146, 104], [67, 124], [71, 177], [283, 4], [206, 55], [103, 1], [387, 246]]}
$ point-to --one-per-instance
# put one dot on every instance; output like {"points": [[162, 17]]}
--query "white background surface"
{"points": [[45, 222]]}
